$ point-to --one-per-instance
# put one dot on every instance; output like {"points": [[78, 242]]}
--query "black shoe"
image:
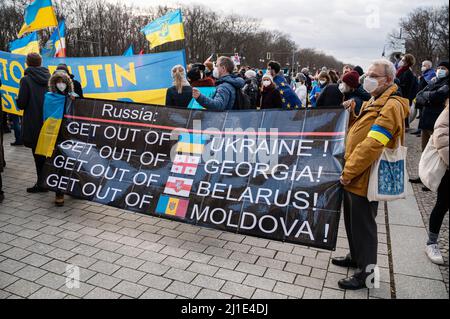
{"points": [[352, 283], [16, 144], [36, 189], [343, 262], [415, 180], [416, 132], [2, 197], [426, 189]]}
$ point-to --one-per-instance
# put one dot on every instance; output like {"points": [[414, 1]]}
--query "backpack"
{"points": [[242, 101], [251, 90]]}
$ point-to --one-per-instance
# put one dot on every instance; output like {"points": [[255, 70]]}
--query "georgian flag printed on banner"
{"points": [[178, 186], [185, 164]]}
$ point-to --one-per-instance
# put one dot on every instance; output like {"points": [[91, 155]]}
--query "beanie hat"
{"points": [[63, 67], [267, 76], [444, 64], [194, 74], [359, 70], [250, 74], [34, 59], [351, 79]]}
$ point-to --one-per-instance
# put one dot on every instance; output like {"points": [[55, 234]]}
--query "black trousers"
{"points": [[39, 162], [361, 228], [442, 205]]}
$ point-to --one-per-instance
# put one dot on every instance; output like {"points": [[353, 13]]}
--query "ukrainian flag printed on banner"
{"points": [[53, 114], [166, 29], [25, 45], [191, 143], [38, 15]]}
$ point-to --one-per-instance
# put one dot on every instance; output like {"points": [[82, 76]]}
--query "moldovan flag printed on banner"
{"points": [[178, 186], [172, 206], [38, 15], [191, 143], [56, 45], [166, 29], [53, 114], [185, 164], [25, 45]]}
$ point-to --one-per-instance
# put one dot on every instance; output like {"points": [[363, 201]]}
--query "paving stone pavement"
{"points": [[426, 200], [120, 254]]}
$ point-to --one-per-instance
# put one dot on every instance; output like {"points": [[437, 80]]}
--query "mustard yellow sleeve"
{"points": [[370, 149]]}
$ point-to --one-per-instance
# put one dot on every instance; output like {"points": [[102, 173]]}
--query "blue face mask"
{"points": [[441, 73]]}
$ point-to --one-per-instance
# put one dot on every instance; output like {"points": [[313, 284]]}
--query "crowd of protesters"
{"points": [[379, 103]]}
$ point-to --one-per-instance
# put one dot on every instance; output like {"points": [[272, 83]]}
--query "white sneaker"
{"points": [[434, 254]]}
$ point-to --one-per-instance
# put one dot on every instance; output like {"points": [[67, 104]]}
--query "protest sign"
{"points": [[139, 78], [271, 173]]}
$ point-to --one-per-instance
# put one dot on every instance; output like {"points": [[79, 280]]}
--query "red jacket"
{"points": [[206, 82]]}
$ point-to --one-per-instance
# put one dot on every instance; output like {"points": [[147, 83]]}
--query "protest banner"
{"points": [[139, 78], [271, 173]]}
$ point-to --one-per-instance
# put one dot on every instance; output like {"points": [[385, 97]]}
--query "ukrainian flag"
{"points": [[191, 143], [38, 15], [25, 45], [166, 29], [53, 113]]}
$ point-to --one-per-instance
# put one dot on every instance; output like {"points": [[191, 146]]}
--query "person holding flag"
{"points": [[38, 15]]}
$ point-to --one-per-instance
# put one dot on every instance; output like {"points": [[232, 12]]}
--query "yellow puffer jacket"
{"points": [[380, 124]]}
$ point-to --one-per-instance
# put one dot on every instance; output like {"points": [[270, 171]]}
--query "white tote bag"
{"points": [[388, 176], [431, 167]]}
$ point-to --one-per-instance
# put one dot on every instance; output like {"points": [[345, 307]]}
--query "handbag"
{"points": [[431, 167], [388, 176]]}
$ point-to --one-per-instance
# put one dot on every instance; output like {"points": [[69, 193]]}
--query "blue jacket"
{"points": [[288, 96], [312, 96], [225, 94]]}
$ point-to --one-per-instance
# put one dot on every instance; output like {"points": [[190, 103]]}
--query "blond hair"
{"points": [[179, 78]]}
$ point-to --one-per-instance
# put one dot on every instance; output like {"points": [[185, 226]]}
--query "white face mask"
{"points": [[441, 73], [401, 63], [370, 84], [267, 83], [322, 82], [344, 88], [424, 68], [216, 73], [61, 86]]}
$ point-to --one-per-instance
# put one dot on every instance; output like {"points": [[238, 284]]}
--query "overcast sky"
{"points": [[354, 31]]}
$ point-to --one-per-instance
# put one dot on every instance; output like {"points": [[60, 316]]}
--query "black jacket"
{"points": [[330, 96], [271, 99], [32, 89], [409, 85], [432, 101], [179, 100], [77, 86]]}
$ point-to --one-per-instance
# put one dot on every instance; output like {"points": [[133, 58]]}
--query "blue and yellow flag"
{"points": [[25, 45], [38, 15], [53, 113], [166, 29]]}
